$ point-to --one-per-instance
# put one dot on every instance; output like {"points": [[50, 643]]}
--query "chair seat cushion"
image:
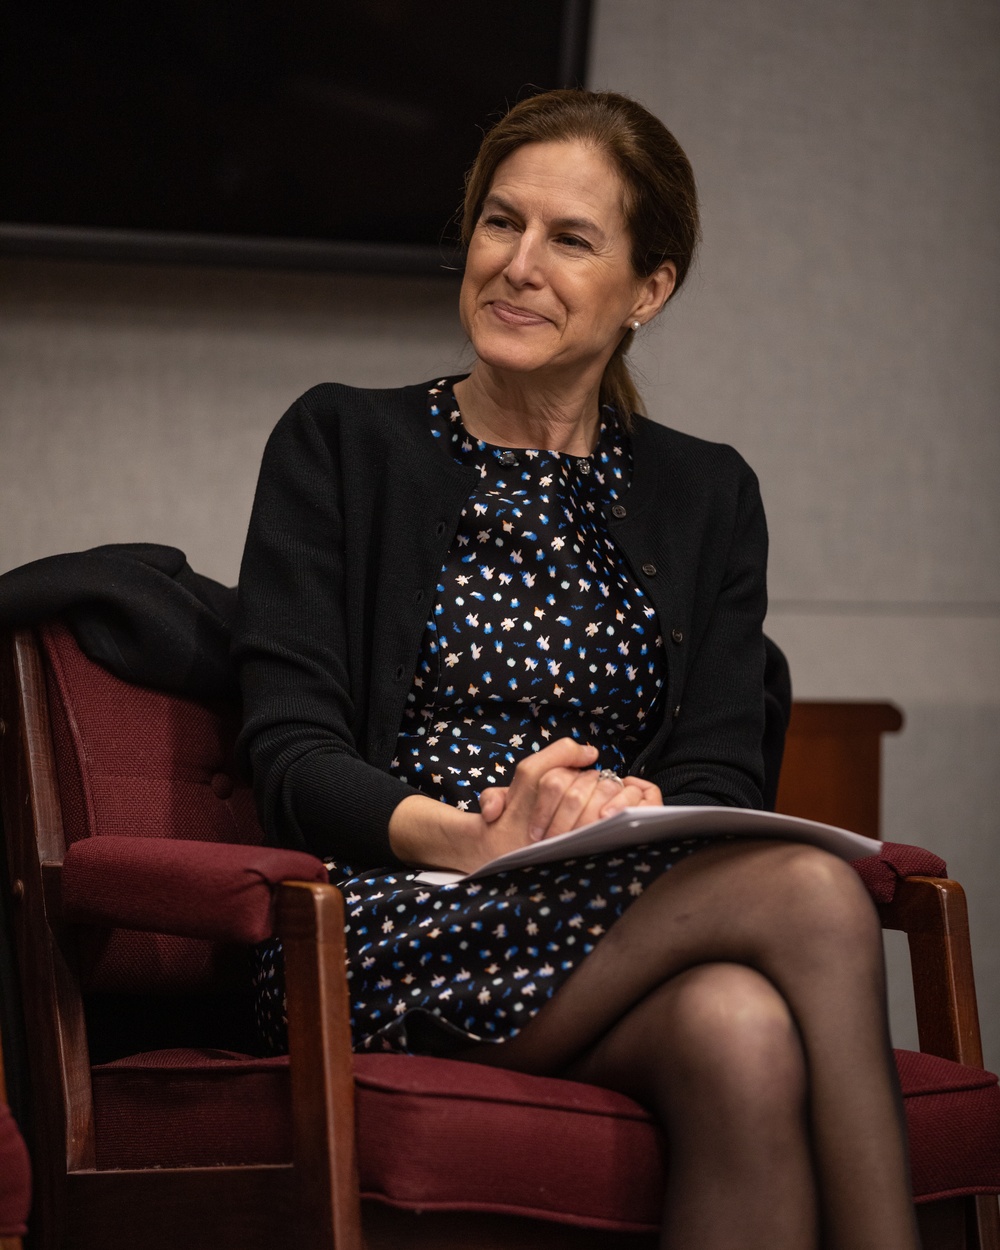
{"points": [[436, 1134], [15, 1177], [953, 1119]]}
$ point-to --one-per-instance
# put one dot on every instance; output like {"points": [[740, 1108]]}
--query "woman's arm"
{"points": [[715, 721], [292, 645]]}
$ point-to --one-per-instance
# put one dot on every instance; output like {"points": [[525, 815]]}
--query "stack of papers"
{"points": [[635, 825]]}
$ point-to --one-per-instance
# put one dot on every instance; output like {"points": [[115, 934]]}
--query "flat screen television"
{"points": [[307, 133]]}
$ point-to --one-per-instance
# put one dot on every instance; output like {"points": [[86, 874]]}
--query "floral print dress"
{"points": [[539, 631]]}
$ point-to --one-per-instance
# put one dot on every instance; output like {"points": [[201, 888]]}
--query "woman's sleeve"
{"points": [[291, 645], [713, 752]]}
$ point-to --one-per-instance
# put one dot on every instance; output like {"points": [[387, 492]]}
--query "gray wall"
{"points": [[840, 330]]}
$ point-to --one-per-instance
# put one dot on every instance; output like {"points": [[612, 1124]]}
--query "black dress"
{"points": [[539, 632]]}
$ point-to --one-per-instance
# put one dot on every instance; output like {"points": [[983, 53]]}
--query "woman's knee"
{"points": [[729, 1033], [814, 892]]}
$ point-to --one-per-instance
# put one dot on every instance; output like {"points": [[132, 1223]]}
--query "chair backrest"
{"points": [[138, 762], [132, 761]]}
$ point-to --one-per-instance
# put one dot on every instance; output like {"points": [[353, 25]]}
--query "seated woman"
{"points": [[489, 609]]}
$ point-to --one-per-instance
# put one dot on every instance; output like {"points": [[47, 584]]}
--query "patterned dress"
{"points": [[539, 631]]}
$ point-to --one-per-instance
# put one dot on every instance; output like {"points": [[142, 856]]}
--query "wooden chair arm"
{"points": [[310, 923], [932, 912]]}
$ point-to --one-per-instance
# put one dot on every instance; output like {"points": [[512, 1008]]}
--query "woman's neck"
{"points": [[512, 411]]}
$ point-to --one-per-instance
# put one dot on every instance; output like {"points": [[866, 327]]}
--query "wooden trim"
{"points": [[41, 781], [55, 1028], [812, 717], [311, 927], [226, 1208], [987, 1217], [932, 912]]}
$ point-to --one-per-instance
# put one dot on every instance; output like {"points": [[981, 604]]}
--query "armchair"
{"points": [[138, 879], [15, 1176]]}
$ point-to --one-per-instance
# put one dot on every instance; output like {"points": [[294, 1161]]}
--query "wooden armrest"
{"points": [[932, 912], [310, 923]]}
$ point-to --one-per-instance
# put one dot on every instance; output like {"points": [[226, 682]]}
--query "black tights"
{"points": [[742, 999]]}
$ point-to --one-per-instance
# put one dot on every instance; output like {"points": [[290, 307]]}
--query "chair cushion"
{"points": [[953, 1118], [437, 1134], [15, 1177]]}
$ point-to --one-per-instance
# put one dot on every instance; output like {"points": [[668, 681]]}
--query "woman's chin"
{"points": [[506, 356]]}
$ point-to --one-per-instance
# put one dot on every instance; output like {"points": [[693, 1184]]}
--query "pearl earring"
{"points": [[636, 325]]}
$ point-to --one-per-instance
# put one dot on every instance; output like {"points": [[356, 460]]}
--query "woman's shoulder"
{"points": [[331, 404], [673, 449], [350, 422]]}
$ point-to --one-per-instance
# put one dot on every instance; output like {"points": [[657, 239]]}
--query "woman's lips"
{"points": [[516, 316]]}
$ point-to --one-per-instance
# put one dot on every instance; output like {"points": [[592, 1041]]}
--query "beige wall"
{"points": [[840, 330]]}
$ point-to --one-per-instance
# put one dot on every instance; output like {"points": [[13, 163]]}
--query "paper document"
{"points": [[658, 824]]}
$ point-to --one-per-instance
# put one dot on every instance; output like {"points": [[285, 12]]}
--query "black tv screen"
{"points": [[261, 131]]}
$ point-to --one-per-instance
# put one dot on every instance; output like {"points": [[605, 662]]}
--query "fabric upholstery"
{"points": [[15, 1177], [135, 762], [439, 1134], [953, 1118], [893, 862], [147, 764], [202, 890]]}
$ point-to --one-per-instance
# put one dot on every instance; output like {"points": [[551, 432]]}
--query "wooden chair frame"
{"points": [[314, 1199]]}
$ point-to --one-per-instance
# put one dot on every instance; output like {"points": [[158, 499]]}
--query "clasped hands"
{"points": [[553, 790], [558, 789]]}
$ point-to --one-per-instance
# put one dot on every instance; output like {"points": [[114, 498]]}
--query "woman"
{"points": [[507, 585]]}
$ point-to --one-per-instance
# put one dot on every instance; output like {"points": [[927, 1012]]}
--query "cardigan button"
{"points": [[677, 711], [677, 635], [440, 528], [418, 597], [649, 569], [400, 672], [618, 510]]}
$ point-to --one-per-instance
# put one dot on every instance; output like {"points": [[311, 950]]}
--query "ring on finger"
{"points": [[606, 774]]}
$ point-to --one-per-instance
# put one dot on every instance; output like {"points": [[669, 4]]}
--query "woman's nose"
{"points": [[524, 268]]}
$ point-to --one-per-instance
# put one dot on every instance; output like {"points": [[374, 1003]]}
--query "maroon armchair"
{"points": [[15, 1177], [139, 878]]}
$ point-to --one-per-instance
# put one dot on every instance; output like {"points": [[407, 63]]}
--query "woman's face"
{"points": [[549, 287]]}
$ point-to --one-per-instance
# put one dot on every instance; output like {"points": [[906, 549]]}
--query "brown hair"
{"points": [[661, 202]]}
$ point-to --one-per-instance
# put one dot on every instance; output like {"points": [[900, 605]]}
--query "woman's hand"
{"points": [[553, 791], [556, 790]]}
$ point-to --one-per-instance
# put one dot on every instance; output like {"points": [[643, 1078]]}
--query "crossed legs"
{"points": [[742, 999]]}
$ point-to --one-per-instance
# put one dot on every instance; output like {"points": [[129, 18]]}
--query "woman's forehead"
{"points": [[567, 181]]}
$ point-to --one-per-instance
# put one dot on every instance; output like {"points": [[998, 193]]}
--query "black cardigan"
{"points": [[356, 507]]}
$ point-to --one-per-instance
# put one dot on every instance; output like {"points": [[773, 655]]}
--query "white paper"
{"points": [[658, 824]]}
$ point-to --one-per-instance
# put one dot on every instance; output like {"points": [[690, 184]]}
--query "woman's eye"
{"points": [[572, 240], [497, 223]]}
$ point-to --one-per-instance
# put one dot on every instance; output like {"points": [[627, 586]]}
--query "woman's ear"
{"points": [[654, 292]]}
